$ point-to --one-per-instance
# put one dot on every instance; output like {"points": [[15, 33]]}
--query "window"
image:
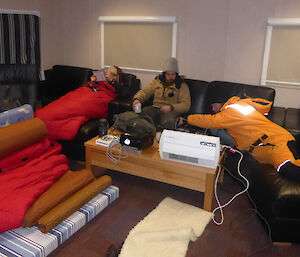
{"points": [[19, 37], [281, 64], [137, 42]]}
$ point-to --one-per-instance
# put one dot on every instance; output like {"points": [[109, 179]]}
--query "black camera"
{"points": [[139, 141]]}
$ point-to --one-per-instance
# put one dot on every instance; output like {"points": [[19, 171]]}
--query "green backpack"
{"points": [[134, 123]]}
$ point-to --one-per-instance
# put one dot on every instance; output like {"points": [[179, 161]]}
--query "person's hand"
{"points": [[180, 122], [93, 78], [166, 108], [112, 82], [134, 103]]}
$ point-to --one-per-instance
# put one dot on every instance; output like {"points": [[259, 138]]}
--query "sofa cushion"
{"points": [[198, 89], [277, 115], [228, 88], [259, 92], [64, 79], [242, 90], [131, 82], [292, 120]]}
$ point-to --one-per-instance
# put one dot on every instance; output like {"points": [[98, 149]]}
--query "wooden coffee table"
{"points": [[149, 165]]}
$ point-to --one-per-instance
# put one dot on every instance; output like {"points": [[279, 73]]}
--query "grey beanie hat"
{"points": [[171, 65]]}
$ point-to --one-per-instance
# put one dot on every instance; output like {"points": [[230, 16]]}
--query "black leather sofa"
{"points": [[276, 198], [18, 85], [62, 79], [289, 118]]}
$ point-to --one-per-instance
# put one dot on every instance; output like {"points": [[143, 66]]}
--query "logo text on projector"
{"points": [[208, 144]]}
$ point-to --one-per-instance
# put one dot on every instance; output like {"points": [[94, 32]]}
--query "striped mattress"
{"points": [[30, 242]]}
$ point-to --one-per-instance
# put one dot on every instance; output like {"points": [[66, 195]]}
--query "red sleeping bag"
{"points": [[25, 175], [64, 116], [43, 148]]}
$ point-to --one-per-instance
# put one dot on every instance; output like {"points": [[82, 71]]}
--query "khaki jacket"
{"points": [[245, 121], [179, 99]]}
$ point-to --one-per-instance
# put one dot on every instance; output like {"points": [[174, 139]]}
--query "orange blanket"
{"points": [[65, 186], [21, 135], [72, 204]]}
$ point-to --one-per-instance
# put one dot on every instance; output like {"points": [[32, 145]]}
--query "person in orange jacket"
{"points": [[246, 123]]}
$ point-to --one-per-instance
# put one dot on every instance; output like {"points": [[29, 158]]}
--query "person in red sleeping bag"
{"points": [[64, 116]]}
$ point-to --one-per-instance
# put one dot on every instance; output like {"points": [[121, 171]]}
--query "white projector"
{"points": [[190, 148]]}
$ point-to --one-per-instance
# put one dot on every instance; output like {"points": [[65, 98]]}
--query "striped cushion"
{"points": [[30, 242]]}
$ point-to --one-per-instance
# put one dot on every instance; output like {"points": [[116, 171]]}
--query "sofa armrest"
{"points": [[48, 74], [44, 87], [297, 137], [113, 108], [18, 85], [275, 197], [118, 106]]}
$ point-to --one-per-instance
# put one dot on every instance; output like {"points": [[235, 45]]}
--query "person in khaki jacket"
{"points": [[171, 97]]}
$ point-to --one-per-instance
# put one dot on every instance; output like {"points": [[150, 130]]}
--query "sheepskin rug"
{"points": [[166, 231]]}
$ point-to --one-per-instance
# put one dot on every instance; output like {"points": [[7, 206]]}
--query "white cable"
{"points": [[207, 127], [259, 214], [220, 207], [116, 158]]}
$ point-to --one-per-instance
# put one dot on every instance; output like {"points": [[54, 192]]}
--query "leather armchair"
{"points": [[60, 80], [75, 148], [18, 85]]}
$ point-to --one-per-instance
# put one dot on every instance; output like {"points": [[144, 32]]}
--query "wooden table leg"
{"points": [[209, 192]]}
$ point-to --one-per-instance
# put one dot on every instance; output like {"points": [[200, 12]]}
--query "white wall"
{"points": [[217, 39]]}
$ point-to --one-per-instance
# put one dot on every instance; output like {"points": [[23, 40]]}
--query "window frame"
{"points": [[12, 11], [136, 19], [272, 22]]}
